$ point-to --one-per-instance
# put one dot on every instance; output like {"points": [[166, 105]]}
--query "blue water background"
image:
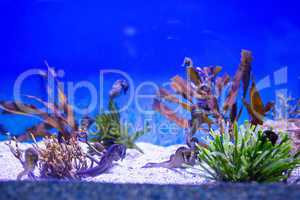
{"points": [[148, 40]]}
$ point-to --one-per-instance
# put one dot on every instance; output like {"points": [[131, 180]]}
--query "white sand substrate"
{"points": [[127, 171]]}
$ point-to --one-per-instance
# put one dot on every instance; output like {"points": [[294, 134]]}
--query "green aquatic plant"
{"points": [[252, 155], [112, 131]]}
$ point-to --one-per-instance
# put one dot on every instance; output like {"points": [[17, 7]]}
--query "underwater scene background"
{"points": [[147, 40]]}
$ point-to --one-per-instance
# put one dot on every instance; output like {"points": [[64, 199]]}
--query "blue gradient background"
{"points": [[147, 39]]}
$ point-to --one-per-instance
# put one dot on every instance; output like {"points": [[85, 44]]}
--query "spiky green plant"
{"points": [[112, 131], [249, 156]]}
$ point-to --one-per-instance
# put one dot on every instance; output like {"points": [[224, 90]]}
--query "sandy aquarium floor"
{"points": [[127, 171]]}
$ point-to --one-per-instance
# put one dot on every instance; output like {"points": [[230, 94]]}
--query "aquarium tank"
{"points": [[154, 93]]}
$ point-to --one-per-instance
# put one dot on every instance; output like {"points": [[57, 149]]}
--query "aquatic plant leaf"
{"points": [[29, 110], [9, 107], [193, 75], [68, 109], [114, 111], [109, 127], [198, 119], [217, 70], [246, 65], [180, 86], [255, 118], [111, 130], [52, 107], [166, 95], [71, 117], [255, 99], [249, 157], [50, 76], [269, 106], [233, 113], [212, 71], [56, 121], [60, 117], [40, 130], [129, 140], [213, 104], [256, 108], [242, 73], [58, 114], [169, 114], [202, 104], [62, 98], [221, 82]]}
